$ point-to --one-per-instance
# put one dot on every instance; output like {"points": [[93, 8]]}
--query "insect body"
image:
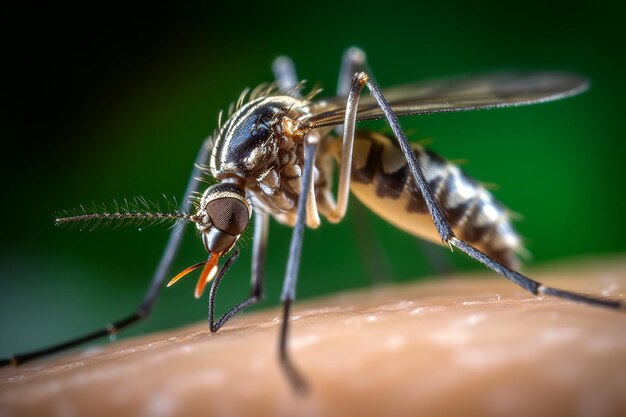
{"points": [[382, 181], [261, 149], [275, 155]]}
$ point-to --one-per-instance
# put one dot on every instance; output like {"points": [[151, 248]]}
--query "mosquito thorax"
{"points": [[254, 137], [224, 214]]}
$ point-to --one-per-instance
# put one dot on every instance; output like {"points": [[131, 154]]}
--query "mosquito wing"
{"points": [[504, 89]]}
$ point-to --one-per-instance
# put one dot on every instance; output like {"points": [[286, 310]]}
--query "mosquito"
{"points": [[275, 154]]}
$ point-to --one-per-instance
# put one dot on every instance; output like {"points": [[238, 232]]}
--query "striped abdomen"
{"points": [[382, 181]]}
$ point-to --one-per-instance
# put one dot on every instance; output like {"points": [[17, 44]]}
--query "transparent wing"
{"points": [[504, 89]]}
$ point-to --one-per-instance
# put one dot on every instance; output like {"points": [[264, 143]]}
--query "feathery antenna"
{"points": [[134, 212]]}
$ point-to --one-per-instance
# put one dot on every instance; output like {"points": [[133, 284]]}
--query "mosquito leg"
{"points": [[377, 263], [261, 223], [109, 329], [441, 223], [531, 285], [353, 60], [293, 263], [215, 326], [285, 73], [259, 249], [345, 166], [145, 307], [176, 236]]}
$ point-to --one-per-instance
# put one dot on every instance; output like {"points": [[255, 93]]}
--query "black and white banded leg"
{"points": [[151, 295], [443, 227]]}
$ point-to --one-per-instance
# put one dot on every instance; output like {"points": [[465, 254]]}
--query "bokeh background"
{"points": [[113, 103]]}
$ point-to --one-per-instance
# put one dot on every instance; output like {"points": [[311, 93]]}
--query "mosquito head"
{"points": [[225, 213]]}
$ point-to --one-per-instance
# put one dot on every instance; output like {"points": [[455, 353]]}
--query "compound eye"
{"points": [[228, 214]]}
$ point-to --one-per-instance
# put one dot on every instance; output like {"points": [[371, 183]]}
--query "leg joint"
{"points": [[361, 78]]}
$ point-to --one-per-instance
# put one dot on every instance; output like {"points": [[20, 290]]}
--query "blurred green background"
{"points": [[103, 104]]}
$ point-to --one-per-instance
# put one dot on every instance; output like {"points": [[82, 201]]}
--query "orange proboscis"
{"points": [[207, 275], [185, 272]]}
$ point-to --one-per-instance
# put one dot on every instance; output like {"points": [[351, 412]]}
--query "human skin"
{"points": [[473, 345]]}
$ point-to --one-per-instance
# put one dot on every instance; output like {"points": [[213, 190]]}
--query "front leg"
{"points": [[293, 263], [261, 228]]}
